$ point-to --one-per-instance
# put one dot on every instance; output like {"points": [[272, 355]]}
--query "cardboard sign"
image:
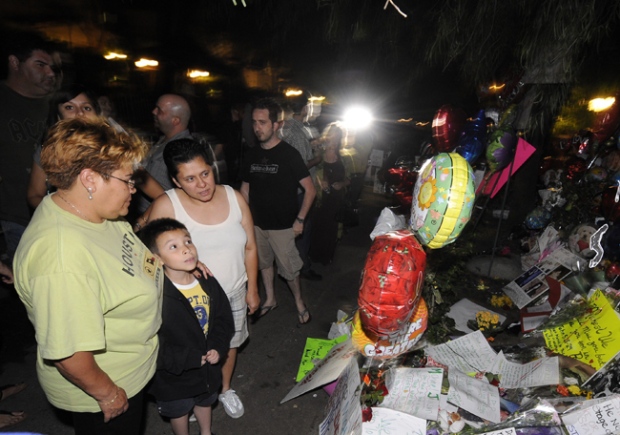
{"points": [[590, 338]]}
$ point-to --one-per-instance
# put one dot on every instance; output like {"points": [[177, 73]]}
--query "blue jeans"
{"points": [[12, 232]]}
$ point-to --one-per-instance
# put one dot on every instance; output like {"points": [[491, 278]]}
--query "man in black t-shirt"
{"points": [[271, 175], [33, 75]]}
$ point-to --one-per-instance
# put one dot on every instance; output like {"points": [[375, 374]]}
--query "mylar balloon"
{"points": [[401, 341], [443, 199], [501, 149], [611, 161], [447, 127], [391, 282], [595, 174], [472, 142]]}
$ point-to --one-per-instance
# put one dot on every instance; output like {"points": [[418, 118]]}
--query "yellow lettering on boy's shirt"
{"points": [[199, 301]]}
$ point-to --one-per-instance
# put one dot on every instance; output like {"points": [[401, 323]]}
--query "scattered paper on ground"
{"points": [[474, 395], [470, 353], [465, 310], [602, 418], [414, 391], [544, 371], [388, 421]]}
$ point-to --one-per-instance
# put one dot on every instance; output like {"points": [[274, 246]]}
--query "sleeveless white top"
{"points": [[222, 246]]}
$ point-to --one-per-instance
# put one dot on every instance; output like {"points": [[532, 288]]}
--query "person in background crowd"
{"points": [[273, 172], [91, 289], [69, 102], [331, 181], [171, 116], [33, 75], [188, 374], [294, 133], [219, 220]]}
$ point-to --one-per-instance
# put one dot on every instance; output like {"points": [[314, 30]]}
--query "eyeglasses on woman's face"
{"points": [[131, 182]]}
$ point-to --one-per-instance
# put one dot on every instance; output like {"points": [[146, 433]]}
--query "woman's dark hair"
{"points": [[183, 151], [65, 94], [156, 228]]}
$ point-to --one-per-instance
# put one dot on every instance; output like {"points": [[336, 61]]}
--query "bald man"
{"points": [[171, 116]]}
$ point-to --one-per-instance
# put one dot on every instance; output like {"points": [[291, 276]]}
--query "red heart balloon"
{"points": [[448, 125]]}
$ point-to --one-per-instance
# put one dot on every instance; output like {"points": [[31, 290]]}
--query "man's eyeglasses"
{"points": [[131, 183]]}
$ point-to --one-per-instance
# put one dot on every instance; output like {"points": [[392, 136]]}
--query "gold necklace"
{"points": [[76, 209]]}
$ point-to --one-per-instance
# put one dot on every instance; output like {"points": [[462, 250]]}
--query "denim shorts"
{"points": [[180, 407]]}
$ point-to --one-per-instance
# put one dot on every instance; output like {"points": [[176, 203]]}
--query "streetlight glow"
{"points": [[144, 63], [112, 56]]}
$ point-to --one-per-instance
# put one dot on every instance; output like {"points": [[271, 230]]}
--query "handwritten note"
{"points": [[344, 411], [325, 371], [474, 395], [602, 418], [544, 371], [470, 353], [316, 349], [388, 421], [589, 338], [414, 391]]}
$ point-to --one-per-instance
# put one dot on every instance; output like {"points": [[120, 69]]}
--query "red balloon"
{"points": [[606, 123], [448, 125], [391, 285]]}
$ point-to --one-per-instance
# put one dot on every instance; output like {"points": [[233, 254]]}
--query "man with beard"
{"points": [[33, 75], [273, 172]]}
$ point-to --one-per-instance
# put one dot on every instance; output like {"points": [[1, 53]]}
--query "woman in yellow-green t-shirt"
{"points": [[91, 289]]}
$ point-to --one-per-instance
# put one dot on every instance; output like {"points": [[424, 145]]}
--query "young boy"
{"points": [[197, 326]]}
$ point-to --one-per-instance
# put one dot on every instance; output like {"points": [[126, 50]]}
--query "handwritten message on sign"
{"points": [[602, 418], [414, 391], [316, 349], [590, 337]]}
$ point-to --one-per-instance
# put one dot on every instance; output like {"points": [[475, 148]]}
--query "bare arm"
{"points": [[245, 191], [309, 194], [251, 256], [37, 186], [160, 208], [151, 187], [82, 370]]}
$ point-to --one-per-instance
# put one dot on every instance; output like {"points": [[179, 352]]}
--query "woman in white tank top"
{"points": [[221, 226]]}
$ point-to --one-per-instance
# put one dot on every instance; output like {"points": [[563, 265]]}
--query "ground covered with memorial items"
{"points": [[461, 336]]}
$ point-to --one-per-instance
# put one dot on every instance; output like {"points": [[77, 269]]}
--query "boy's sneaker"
{"points": [[192, 419], [232, 403]]}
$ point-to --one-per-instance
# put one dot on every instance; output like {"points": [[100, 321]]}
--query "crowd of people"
{"points": [[114, 298]]}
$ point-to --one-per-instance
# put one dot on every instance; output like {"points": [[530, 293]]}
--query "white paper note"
{"points": [[387, 421], [544, 371], [414, 391], [507, 431], [602, 418], [470, 353], [474, 395]]}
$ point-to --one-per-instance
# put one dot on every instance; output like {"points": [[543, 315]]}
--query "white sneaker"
{"points": [[192, 418], [232, 404]]}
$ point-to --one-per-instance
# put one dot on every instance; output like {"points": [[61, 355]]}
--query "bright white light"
{"points": [[357, 118], [293, 92], [143, 63], [195, 73], [600, 104], [112, 55]]}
